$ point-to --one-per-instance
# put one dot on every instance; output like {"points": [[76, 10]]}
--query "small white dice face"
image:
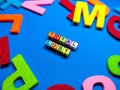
{"points": [[74, 45]]}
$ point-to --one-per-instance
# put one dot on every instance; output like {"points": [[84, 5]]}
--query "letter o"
{"points": [[107, 83]]}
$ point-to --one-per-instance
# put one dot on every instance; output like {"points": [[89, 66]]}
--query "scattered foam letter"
{"points": [[113, 65], [70, 6], [98, 10], [22, 71], [61, 87], [15, 3], [4, 51], [34, 5], [110, 26], [15, 18], [107, 83]]}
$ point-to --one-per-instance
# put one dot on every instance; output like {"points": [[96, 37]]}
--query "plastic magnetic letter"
{"points": [[22, 71], [117, 10], [4, 51], [95, 2], [98, 10], [15, 18], [61, 87], [110, 26], [107, 83], [15, 3], [70, 6], [34, 5], [113, 65]]}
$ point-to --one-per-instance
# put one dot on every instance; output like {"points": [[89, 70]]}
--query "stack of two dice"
{"points": [[60, 44]]}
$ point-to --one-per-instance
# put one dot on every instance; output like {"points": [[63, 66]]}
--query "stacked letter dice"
{"points": [[60, 44]]}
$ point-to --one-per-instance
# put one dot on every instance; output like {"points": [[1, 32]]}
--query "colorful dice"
{"points": [[63, 40], [58, 48], [66, 44]]}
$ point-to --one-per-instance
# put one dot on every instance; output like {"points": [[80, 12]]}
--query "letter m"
{"points": [[97, 12]]}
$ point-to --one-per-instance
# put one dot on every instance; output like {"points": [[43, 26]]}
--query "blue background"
{"points": [[95, 47]]}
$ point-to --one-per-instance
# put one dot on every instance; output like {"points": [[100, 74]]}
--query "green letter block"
{"points": [[22, 71]]}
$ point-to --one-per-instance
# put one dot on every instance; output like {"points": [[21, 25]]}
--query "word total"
{"points": [[63, 40]]}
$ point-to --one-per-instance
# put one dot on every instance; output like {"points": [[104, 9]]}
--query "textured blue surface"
{"points": [[95, 47]]}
